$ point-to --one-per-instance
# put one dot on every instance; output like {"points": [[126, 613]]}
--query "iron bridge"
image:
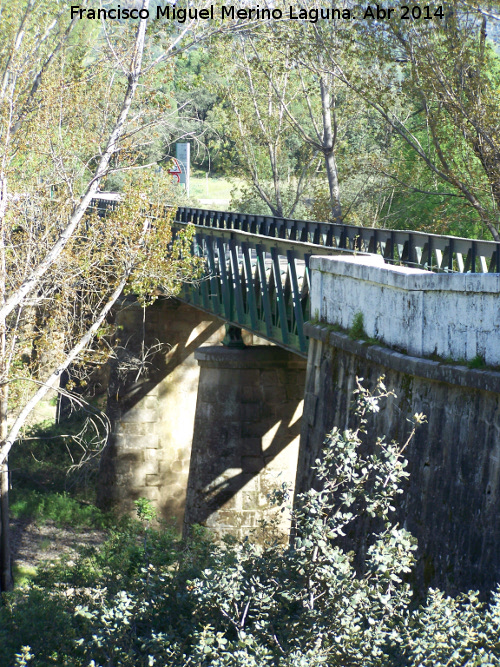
{"points": [[257, 267]]}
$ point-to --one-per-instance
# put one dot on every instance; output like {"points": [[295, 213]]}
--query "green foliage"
{"points": [[23, 574], [357, 329], [145, 510], [145, 598], [424, 204], [60, 508], [477, 362]]}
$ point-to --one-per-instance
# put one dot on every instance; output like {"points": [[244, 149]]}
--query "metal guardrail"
{"points": [[426, 251], [255, 282]]}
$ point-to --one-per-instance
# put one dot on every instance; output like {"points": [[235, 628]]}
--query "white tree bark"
{"points": [[9, 303], [133, 79]]}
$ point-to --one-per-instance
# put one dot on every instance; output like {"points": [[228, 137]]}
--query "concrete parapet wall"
{"points": [[452, 498], [246, 436], [450, 315]]}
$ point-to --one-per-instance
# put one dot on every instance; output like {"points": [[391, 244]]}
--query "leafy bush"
{"points": [[148, 599]]}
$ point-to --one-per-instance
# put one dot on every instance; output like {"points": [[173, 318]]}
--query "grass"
{"points": [[355, 332], [212, 188], [477, 362], [357, 329], [23, 574], [60, 508]]}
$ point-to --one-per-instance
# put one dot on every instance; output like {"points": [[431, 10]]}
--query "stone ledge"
{"points": [[484, 380], [252, 357]]}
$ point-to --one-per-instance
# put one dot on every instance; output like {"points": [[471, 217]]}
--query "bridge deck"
{"points": [[257, 267]]}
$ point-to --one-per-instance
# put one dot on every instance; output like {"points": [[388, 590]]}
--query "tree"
{"points": [[326, 118], [252, 86], [435, 83], [314, 111], [33, 52]]}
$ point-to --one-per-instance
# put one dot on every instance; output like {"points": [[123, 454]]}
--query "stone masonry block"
{"points": [[263, 500], [131, 428], [152, 493], [150, 402], [249, 519], [251, 482], [283, 375], [229, 376], [129, 443], [177, 466], [147, 468], [123, 466], [124, 479], [251, 395], [256, 429], [251, 446], [140, 414], [234, 503], [153, 480], [269, 378], [294, 391], [250, 499], [177, 491], [252, 463], [249, 412], [294, 378], [226, 518], [219, 394], [275, 394]]}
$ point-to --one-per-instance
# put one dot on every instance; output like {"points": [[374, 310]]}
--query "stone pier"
{"points": [[246, 436], [152, 409]]}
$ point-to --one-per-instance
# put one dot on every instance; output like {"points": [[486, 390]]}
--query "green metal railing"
{"points": [[432, 252], [255, 282]]}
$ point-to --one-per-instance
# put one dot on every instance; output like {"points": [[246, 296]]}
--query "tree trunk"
{"points": [[333, 184], [6, 581], [329, 139]]}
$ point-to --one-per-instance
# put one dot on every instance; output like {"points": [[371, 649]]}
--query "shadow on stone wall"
{"points": [[246, 436], [451, 502], [152, 416]]}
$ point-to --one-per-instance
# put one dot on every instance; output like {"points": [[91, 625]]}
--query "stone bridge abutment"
{"points": [[425, 333]]}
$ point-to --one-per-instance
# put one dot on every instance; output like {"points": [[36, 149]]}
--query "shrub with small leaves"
{"points": [[148, 599]]}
